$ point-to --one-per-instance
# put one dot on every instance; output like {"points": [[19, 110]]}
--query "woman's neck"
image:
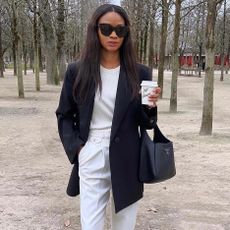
{"points": [[110, 60]]}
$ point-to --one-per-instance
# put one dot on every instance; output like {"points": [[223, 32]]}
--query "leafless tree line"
{"points": [[176, 27], [47, 34]]}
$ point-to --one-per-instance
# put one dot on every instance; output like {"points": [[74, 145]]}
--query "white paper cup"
{"points": [[146, 88]]}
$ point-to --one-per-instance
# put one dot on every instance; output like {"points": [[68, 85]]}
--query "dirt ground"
{"points": [[34, 169]]}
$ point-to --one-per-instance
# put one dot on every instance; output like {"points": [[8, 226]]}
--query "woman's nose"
{"points": [[113, 34]]}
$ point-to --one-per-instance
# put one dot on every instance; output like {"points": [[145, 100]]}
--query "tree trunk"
{"points": [[31, 55], [228, 57], [200, 58], [39, 46], [145, 45], [1, 52], [19, 69], [164, 25], [50, 43], [175, 58], [14, 33], [24, 56], [36, 54], [142, 44], [223, 44], [151, 34], [18, 46], [200, 37], [14, 58], [207, 114], [61, 39]]}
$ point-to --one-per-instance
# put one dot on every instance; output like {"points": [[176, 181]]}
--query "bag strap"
{"points": [[158, 135]]}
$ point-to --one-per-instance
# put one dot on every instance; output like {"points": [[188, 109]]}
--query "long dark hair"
{"points": [[89, 69]]}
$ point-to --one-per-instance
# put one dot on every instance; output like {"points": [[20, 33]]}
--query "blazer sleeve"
{"points": [[148, 115], [68, 116]]}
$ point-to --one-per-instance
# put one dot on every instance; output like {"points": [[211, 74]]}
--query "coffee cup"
{"points": [[146, 88]]}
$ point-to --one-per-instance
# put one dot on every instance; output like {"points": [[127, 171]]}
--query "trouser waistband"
{"points": [[100, 133]]}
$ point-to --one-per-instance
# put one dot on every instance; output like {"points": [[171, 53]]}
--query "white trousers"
{"points": [[95, 186]]}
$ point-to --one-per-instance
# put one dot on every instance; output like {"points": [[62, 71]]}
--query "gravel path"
{"points": [[34, 169]]}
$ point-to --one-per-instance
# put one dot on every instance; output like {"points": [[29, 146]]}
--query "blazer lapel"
{"points": [[123, 98], [85, 113]]}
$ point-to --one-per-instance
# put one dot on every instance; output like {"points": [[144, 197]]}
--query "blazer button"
{"points": [[74, 115], [151, 121], [117, 140], [74, 123]]}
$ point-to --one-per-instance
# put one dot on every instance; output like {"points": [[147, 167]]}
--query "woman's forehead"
{"points": [[112, 18]]}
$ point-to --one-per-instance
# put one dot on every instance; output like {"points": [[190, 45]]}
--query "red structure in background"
{"points": [[189, 60], [186, 60], [218, 60]]}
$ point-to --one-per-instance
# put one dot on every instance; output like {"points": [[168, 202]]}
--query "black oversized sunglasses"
{"points": [[107, 29]]}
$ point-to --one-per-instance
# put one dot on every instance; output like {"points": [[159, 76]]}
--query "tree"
{"points": [[61, 39], [207, 114], [1, 50], [35, 46], [50, 42], [223, 44], [200, 36], [175, 64], [152, 12], [16, 11], [12, 10], [164, 25]]}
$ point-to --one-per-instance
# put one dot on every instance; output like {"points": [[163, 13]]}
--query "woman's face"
{"points": [[111, 42]]}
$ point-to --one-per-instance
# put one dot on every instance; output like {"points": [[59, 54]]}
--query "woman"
{"points": [[98, 118]]}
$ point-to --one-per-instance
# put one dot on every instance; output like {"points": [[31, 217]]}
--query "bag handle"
{"points": [[158, 135]]}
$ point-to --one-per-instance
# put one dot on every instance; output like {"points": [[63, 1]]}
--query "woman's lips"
{"points": [[113, 44]]}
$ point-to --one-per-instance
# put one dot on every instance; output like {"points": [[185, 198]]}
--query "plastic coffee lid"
{"points": [[149, 83]]}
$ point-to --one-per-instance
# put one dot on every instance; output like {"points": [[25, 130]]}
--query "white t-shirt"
{"points": [[104, 103]]}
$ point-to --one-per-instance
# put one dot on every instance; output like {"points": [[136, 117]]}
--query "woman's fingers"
{"points": [[158, 90], [154, 95]]}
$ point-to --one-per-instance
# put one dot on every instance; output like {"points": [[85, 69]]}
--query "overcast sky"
{"points": [[116, 2]]}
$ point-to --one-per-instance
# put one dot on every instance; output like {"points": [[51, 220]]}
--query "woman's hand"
{"points": [[153, 97]]}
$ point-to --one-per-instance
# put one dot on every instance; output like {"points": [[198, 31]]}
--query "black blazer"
{"points": [[129, 114]]}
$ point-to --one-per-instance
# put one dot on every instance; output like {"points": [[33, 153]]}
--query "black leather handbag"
{"points": [[156, 157]]}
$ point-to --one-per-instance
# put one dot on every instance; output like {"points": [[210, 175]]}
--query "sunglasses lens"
{"points": [[107, 29], [121, 31]]}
